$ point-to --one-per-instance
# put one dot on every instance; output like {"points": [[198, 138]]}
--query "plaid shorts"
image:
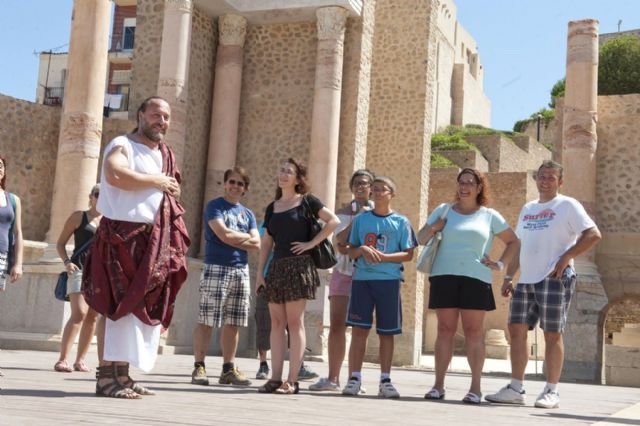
{"points": [[4, 273], [224, 296], [547, 301]]}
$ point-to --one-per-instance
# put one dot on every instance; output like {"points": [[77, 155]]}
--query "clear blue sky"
{"points": [[522, 44]]}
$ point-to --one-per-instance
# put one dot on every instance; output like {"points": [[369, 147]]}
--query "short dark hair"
{"points": [[239, 171], [302, 187], [550, 164], [143, 107], [387, 181], [4, 177], [361, 172], [481, 179]]}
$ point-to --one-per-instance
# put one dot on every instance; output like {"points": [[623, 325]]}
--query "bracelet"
{"points": [[500, 265], [66, 262], [508, 277]]}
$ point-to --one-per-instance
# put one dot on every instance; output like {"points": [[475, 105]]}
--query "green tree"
{"points": [[619, 67], [557, 91]]}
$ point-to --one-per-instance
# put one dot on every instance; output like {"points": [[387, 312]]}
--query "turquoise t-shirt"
{"points": [[389, 234], [465, 240]]}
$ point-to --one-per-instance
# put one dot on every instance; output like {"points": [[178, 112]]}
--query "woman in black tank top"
{"points": [[83, 225]]}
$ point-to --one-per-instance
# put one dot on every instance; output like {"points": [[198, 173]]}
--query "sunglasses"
{"points": [[95, 194], [240, 183]]}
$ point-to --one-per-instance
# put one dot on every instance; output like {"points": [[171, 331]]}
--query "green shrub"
{"points": [[619, 66], [439, 161]]}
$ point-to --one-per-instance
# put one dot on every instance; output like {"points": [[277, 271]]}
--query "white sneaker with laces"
{"points": [[548, 399], [353, 387], [507, 395], [324, 384], [387, 390]]}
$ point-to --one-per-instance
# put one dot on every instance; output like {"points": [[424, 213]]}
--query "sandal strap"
{"points": [[105, 372]]}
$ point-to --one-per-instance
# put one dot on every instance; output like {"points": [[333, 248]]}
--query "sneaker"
{"points": [[353, 387], [263, 372], [234, 377], [548, 399], [306, 373], [199, 376], [507, 395], [324, 384], [387, 390]]}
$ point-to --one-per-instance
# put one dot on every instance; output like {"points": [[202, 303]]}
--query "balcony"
{"points": [[53, 96]]}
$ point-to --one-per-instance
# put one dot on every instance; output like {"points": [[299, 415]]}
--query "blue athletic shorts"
{"points": [[381, 295]]}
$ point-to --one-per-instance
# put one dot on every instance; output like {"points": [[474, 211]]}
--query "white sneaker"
{"points": [[353, 387], [324, 384], [548, 399], [507, 395], [387, 390]]}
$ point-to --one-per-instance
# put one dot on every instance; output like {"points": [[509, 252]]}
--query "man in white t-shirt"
{"points": [[137, 261], [553, 230]]}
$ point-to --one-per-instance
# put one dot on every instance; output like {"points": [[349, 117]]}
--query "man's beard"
{"points": [[151, 134]]}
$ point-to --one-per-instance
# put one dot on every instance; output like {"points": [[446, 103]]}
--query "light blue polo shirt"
{"points": [[389, 234], [465, 240]]}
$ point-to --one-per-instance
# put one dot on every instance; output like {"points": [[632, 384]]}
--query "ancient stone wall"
{"points": [[204, 39], [400, 123], [354, 108], [277, 97], [29, 142], [146, 54]]}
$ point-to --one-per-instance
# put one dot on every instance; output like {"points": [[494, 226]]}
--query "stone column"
{"points": [[325, 119], [584, 335], [225, 114], [174, 70], [81, 124], [323, 152]]}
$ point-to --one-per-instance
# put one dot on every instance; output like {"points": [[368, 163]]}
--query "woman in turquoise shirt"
{"points": [[461, 274]]}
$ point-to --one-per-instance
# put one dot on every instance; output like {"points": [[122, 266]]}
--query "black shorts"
{"points": [[456, 291]]}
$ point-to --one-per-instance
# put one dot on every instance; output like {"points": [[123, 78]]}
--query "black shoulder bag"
{"points": [[60, 290], [323, 255]]}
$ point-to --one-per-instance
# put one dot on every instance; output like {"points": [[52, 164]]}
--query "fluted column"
{"points": [[583, 336], [225, 114], [81, 125], [325, 121], [174, 70]]}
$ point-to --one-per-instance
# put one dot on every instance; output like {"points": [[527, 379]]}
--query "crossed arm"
{"points": [[240, 240]]}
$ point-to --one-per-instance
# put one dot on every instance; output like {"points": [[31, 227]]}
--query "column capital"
{"points": [[232, 30], [331, 22], [179, 5]]}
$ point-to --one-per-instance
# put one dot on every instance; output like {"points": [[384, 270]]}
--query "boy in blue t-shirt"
{"points": [[380, 241]]}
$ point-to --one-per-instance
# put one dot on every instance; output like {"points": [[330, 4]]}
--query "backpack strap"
{"points": [[10, 257]]}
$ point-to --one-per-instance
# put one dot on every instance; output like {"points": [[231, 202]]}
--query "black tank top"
{"points": [[81, 235]]}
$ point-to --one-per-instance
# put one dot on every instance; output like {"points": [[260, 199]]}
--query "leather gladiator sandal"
{"points": [[113, 389], [123, 370]]}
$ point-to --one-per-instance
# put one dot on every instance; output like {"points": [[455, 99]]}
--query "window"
{"points": [[129, 33]]}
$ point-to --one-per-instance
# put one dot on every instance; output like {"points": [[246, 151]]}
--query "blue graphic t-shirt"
{"points": [[235, 217], [388, 234]]}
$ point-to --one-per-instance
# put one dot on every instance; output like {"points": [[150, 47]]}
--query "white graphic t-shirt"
{"points": [[547, 231]]}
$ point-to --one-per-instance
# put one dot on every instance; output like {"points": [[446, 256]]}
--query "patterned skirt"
{"points": [[291, 278]]}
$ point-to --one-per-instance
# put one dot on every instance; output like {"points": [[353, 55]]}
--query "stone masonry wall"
{"points": [[29, 142], [354, 108], [204, 39], [146, 54], [403, 79], [277, 98]]}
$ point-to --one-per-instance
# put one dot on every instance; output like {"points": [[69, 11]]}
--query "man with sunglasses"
{"points": [[230, 231]]}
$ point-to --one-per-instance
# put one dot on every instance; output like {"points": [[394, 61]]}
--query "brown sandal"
{"points": [[288, 388], [270, 387], [114, 388], [123, 370]]}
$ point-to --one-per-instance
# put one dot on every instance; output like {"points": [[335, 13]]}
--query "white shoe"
{"points": [[353, 387], [507, 395], [387, 390], [548, 399], [324, 384]]}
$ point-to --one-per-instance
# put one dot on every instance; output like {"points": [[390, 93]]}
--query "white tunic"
{"points": [[129, 339]]}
